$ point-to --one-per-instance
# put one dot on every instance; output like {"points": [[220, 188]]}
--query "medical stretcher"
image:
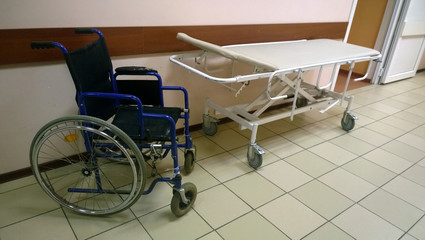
{"points": [[283, 64]]}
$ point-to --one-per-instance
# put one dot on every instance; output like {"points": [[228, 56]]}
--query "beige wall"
{"points": [[33, 94]]}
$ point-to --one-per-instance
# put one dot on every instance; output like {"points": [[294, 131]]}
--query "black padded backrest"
{"points": [[90, 68], [148, 91]]}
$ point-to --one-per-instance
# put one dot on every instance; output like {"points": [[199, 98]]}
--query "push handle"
{"points": [[84, 30], [88, 30], [42, 45]]}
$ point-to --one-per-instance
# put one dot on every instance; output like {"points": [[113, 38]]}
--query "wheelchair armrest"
{"points": [[134, 70], [178, 88], [113, 96]]}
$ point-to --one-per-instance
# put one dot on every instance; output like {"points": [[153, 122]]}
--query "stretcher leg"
{"points": [[255, 153]]}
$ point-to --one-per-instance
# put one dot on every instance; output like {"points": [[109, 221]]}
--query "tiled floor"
{"points": [[316, 182]]}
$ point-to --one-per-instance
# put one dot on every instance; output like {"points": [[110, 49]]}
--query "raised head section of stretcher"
{"points": [[226, 52]]}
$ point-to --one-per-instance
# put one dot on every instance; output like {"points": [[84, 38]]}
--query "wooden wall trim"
{"points": [[122, 41]]}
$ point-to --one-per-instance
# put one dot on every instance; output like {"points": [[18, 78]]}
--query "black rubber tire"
{"points": [[347, 122], [189, 162], [255, 161], [178, 208]]}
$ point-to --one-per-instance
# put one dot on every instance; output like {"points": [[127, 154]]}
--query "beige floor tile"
{"points": [[415, 174], [407, 237], [404, 151], [211, 236], [418, 230], [370, 136], [46, 226], [413, 140], [87, 226], [302, 138], [371, 112], [385, 108], [411, 115], [18, 183], [201, 178], [280, 146], [291, 216], [280, 126], [385, 129], [347, 184], [399, 123], [409, 98], [388, 160], [301, 120], [129, 231], [310, 163], [369, 171], [407, 190], [229, 139], [396, 104], [327, 232], [284, 175], [396, 211], [250, 226], [219, 206], [422, 163], [254, 189], [317, 115], [162, 224], [420, 131], [333, 153], [362, 224], [23, 203], [158, 198], [326, 129], [225, 167], [364, 98], [206, 148], [262, 133], [322, 199], [352, 144], [418, 115]]}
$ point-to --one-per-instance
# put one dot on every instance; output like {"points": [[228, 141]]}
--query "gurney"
{"points": [[283, 64]]}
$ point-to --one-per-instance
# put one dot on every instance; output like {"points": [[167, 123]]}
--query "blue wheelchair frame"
{"points": [[176, 178]]}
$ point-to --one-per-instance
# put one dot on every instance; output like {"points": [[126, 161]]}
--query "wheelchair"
{"points": [[94, 163]]}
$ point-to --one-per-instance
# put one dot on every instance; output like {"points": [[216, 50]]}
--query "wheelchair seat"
{"points": [[118, 118]]}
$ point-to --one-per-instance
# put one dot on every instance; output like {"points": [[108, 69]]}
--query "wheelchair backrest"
{"points": [[91, 70]]}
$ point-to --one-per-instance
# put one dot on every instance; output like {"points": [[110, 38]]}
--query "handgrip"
{"points": [[83, 30], [42, 45]]}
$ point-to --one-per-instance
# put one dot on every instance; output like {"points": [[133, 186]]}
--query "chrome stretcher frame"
{"points": [[275, 61]]}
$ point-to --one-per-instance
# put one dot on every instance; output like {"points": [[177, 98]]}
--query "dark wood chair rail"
{"points": [[122, 41]]}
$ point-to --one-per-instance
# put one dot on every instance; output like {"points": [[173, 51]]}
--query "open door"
{"points": [[404, 40]]}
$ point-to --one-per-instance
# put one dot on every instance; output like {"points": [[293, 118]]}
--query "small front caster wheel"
{"points": [[347, 122], [255, 160], [178, 207], [189, 161]]}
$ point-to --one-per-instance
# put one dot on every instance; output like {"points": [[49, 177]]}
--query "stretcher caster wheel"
{"points": [[189, 161], [210, 128], [178, 205], [209, 125], [348, 121], [254, 156], [255, 161], [301, 102]]}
